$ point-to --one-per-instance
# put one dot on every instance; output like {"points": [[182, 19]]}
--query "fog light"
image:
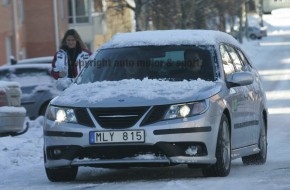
{"points": [[57, 152], [191, 150]]}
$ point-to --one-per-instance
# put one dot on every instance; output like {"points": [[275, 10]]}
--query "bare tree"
{"points": [[120, 5], [165, 14], [184, 14]]}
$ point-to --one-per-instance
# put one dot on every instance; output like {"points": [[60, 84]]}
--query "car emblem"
{"points": [[121, 100]]}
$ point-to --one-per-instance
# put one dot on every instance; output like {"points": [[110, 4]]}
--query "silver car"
{"points": [[257, 32], [37, 85], [196, 99]]}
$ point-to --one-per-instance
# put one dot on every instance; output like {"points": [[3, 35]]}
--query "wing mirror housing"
{"points": [[240, 79]]}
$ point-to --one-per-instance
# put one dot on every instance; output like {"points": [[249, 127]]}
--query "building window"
{"points": [[79, 11], [98, 6], [62, 10], [20, 11], [22, 53], [8, 45], [5, 2]]}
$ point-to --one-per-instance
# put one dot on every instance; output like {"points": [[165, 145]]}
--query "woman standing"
{"points": [[71, 57]]}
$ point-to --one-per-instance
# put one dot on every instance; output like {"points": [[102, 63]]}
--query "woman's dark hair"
{"points": [[74, 33]]}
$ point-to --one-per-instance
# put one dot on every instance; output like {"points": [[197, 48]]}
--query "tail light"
{"points": [[3, 98]]}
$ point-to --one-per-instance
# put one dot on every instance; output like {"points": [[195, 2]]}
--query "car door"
{"points": [[237, 102], [36, 85], [254, 96], [245, 128]]}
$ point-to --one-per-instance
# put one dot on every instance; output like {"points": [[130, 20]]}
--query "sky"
{"points": [[21, 157]]}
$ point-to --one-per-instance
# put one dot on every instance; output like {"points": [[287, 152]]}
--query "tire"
{"points": [[261, 157], [253, 36], [43, 109], [222, 166], [61, 174]]}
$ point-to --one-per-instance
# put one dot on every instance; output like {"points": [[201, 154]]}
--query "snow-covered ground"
{"points": [[21, 159]]}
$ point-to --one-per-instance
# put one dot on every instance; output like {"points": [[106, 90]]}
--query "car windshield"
{"points": [[174, 63]]}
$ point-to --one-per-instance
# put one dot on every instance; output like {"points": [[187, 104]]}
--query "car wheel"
{"points": [[43, 109], [253, 36], [261, 157], [61, 174], [222, 166]]}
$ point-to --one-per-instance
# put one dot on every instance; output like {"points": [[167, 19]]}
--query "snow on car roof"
{"points": [[32, 65], [4, 84], [8, 83], [47, 59], [169, 37], [11, 109]]}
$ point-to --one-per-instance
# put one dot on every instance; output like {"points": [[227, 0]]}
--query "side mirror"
{"points": [[240, 79], [63, 83]]}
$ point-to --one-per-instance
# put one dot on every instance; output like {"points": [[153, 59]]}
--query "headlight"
{"points": [[59, 114], [186, 110]]}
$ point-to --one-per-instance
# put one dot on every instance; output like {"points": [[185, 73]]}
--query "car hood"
{"points": [[133, 92]]}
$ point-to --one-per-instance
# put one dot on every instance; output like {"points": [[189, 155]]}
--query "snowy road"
{"points": [[21, 160]]}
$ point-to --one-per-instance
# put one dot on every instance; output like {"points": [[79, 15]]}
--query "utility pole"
{"points": [[247, 21], [261, 12], [241, 34], [15, 28]]}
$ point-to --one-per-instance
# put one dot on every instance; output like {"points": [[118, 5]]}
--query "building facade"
{"points": [[30, 28], [98, 20], [270, 5]]}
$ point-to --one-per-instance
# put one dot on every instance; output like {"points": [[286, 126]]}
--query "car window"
{"points": [[31, 76], [228, 66], [247, 65], [29, 72], [234, 56], [4, 74]]}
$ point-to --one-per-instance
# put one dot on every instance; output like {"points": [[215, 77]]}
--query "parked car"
{"points": [[257, 32], [37, 60], [12, 115], [196, 100], [37, 85]]}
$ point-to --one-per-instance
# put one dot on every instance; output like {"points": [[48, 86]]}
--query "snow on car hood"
{"points": [[135, 93], [6, 84]]}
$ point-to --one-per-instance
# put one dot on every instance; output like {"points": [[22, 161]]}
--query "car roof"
{"points": [[47, 59], [169, 37], [4, 84], [34, 65]]}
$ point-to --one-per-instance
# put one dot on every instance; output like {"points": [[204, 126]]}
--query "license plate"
{"points": [[102, 137]]}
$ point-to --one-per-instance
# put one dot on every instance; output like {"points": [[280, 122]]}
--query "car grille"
{"points": [[118, 118], [83, 117], [155, 114], [119, 152]]}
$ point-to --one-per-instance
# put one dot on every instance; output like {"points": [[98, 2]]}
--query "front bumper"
{"points": [[180, 141]]}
